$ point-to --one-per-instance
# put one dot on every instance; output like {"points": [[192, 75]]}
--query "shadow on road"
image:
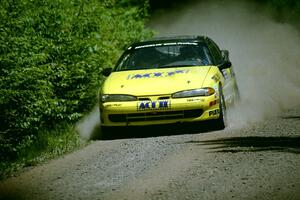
{"points": [[296, 117], [152, 131], [253, 144]]}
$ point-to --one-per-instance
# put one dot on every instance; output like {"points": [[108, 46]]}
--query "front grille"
{"points": [[153, 116], [163, 98]]}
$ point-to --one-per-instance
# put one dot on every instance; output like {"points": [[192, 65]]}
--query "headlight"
{"points": [[194, 93], [116, 97]]}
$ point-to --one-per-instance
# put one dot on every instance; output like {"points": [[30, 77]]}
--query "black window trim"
{"points": [[209, 43]]}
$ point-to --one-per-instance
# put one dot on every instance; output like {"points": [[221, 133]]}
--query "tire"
{"points": [[221, 122]]}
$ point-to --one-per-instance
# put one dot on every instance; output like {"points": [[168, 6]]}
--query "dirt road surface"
{"points": [[257, 162]]}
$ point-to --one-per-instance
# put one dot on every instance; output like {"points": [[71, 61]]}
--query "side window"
{"points": [[215, 52]]}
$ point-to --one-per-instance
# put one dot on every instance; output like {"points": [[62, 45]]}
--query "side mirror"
{"points": [[225, 65], [225, 55], [106, 71]]}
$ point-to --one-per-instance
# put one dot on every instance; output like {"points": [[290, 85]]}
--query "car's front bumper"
{"points": [[155, 111]]}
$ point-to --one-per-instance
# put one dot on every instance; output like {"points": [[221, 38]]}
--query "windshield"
{"points": [[165, 55]]}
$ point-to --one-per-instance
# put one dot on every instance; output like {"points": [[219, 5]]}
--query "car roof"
{"points": [[161, 40]]}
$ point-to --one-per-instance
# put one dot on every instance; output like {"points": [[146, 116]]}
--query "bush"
{"points": [[51, 56]]}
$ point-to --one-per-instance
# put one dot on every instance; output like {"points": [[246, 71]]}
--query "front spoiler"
{"points": [[209, 106]]}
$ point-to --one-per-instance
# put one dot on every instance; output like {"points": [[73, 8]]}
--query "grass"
{"points": [[47, 145]]}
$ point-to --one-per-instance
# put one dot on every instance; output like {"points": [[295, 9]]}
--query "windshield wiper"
{"points": [[121, 70], [131, 69]]}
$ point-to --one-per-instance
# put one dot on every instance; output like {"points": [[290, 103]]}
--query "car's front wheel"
{"points": [[221, 122]]}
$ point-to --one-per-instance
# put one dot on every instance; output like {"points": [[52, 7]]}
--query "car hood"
{"points": [[155, 81]]}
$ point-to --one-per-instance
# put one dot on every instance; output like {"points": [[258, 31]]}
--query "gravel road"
{"points": [[260, 161]]}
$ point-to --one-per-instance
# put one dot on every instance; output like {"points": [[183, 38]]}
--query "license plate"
{"points": [[153, 105]]}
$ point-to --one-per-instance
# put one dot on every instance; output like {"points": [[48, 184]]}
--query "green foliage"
{"points": [[51, 56], [46, 145], [283, 11], [286, 10]]}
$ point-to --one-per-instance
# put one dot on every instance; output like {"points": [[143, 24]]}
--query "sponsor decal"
{"points": [[215, 78], [214, 102], [214, 112], [165, 44], [195, 100], [112, 105], [153, 105], [225, 74], [157, 74]]}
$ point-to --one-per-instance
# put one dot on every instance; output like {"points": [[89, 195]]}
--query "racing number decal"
{"points": [[153, 105]]}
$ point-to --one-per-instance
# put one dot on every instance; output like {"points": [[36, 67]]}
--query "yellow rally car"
{"points": [[168, 80]]}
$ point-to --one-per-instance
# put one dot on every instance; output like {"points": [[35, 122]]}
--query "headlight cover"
{"points": [[194, 93], [116, 97]]}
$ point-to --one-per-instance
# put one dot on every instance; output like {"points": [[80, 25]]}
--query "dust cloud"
{"points": [[265, 54], [88, 127]]}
